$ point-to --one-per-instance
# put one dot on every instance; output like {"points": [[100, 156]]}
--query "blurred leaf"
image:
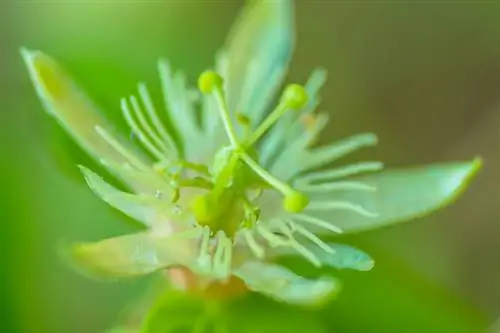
{"points": [[179, 312], [401, 195], [393, 299], [396, 300]]}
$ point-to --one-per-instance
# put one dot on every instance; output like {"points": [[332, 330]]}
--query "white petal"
{"points": [[283, 285], [65, 101]]}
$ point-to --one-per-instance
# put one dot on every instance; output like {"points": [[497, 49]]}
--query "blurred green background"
{"points": [[423, 75]]}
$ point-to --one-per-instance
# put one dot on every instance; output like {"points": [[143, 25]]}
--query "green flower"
{"points": [[225, 187]]}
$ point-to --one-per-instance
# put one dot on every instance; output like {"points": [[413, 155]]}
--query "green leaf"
{"points": [[283, 285], [400, 195], [133, 255], [180, 312], [75, 112], [122, 330], [175, 311], [394, 298], [258, 50], [344, 257]]}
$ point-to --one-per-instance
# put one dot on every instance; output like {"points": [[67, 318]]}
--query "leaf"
{"points": [[258, 51], [283, 285], [75, 112], [174, 311], [179, 312], [132, 255], [394, 298], [400, 195], [344, 256]]}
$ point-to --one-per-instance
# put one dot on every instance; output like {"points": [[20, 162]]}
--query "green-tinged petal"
{"points": [[400, 195], [76, 112], [132, 255], [283, 285], [258, 51], [149, 210], [343, 256], [180, 105], [303, 160]]}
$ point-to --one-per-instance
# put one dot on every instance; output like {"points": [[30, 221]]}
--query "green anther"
{"points": [[295, 202], [208, 81], [295, 96]]}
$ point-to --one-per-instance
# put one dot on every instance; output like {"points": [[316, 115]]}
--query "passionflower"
{"points": [[224, 183]]}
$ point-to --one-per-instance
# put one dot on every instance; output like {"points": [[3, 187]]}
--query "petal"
{"points": [[300, 160], [258, 52], [283, 285], [343, 256], [76, 113], [132, 255], [146, 209], [179, 104], [400, 195]]}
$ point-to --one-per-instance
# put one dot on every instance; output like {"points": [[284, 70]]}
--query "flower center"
{"points": [[235, 173]]}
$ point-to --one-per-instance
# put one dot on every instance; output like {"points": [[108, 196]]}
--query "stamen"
{"points": [[256, 249], [145, 124], [336, 186], [346, 171], [341, 205], [121, 149], [153, 115], [138, 131], [306, 253], [294, 200], [317, 222], [204, 259], [294, 97], [211, 82], [273, 117], [312, 237], [222, 256], [273, 239]]}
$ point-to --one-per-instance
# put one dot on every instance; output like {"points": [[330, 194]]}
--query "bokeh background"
{"points": [[423, 75]]}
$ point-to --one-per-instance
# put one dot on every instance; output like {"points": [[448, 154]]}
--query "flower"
{"points": [[224, 189]]}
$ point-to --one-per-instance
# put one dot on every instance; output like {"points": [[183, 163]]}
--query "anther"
{"points": [[295, 201], [295, 96], [208, 81]]}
